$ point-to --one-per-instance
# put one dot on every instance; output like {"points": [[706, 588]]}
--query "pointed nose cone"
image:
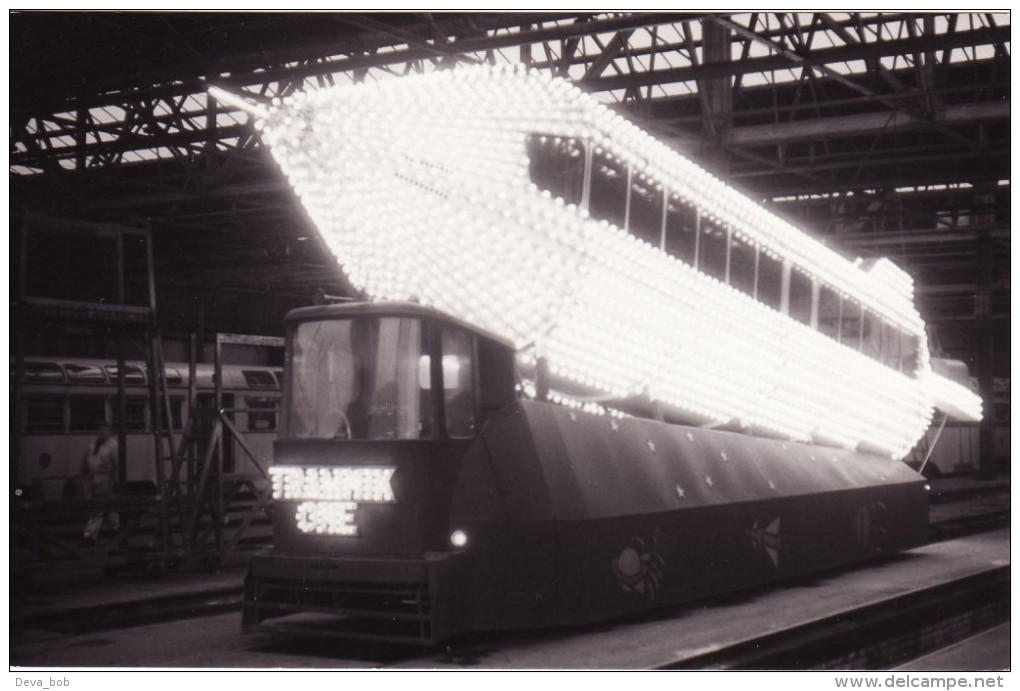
{"points": [[420, 187]]}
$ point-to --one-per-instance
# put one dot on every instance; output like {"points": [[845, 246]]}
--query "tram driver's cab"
{"points": [[390, 372]]}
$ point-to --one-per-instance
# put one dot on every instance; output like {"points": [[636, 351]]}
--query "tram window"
{"points": [[743, 265], [87, 413], [769, 290], [800, 296], [132, 375], [259, 379], [609, 187], [85, 374], [357, 378], [830, 305], [44, 414], [645, 220], [177, 412], [891, 346], [712, 241], [850, 324], [556, 165], [459, 383], [43, 372], [910, 353], [496, 378], [134, 419], [681, 229], [261, 413], [871, 336]]}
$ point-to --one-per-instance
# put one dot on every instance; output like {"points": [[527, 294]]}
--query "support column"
{"points": [[716, 93], [984, 217]]}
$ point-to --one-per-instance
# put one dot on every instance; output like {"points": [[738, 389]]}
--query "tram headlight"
{"points": [[458, 538]]}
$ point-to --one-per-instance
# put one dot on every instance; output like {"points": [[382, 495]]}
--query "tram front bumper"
{"points": [[367, 598]]}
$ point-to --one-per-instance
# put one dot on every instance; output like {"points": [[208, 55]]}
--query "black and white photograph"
{"points": [[465, 342]]}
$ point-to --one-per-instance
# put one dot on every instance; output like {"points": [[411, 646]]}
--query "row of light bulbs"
{"points": [[420, 186]]}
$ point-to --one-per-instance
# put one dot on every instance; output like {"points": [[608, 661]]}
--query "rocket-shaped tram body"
{"points": [[520, 204]]}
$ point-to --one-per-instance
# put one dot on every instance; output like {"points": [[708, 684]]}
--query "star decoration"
{"points": [[708, 480], [690, 437], [772, 486], [651, 446], [614, 425], [680, 492], [573, 416], [724, 456]]}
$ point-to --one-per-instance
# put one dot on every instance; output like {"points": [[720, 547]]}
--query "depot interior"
{"points": [[883, 135]]}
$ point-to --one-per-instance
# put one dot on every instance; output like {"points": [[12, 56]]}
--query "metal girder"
{"points": [[228, 191], [825, 56], [765, 186], [609, 53], [190, 127], [439, 47], [323, 58], [865, 123], [128, 141], [902, 239]]}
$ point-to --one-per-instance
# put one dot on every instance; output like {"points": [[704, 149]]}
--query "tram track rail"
{"points": [[877, 636], [954, 528], [133, 612]]}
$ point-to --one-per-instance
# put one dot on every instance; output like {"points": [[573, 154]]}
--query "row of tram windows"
{"points": [[47, 413], [50, 407], [613, 192]]}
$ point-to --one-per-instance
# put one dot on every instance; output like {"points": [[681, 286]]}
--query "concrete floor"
{"points": [[216, 641]]}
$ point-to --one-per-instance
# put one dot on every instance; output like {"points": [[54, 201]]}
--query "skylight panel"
{"points": [[984, 52], [161, 108]]}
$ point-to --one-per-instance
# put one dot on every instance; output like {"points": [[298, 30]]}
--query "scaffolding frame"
{"points": [[195, 498]]}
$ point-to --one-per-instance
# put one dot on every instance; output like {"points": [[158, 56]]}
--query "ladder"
{"points": [[163, 437], [201, 499]]}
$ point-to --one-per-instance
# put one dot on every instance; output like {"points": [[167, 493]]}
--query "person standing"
{"points": [[99, 467]]}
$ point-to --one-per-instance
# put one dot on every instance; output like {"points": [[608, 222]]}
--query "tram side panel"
{"points": [[568, 518], [601, 517]]}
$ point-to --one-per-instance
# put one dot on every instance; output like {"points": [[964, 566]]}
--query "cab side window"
{"points": [[459, 383]]}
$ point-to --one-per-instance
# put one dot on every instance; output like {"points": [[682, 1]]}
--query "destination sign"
{"points": [[329, 496]]}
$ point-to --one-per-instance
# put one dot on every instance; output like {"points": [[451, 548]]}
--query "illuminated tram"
{"points": [[653, 389]]}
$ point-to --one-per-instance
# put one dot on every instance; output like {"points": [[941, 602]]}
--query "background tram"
{"points": [[67, 399]]}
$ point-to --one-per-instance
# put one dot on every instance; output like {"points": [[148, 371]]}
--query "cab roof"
{"points": [[347, 310]]}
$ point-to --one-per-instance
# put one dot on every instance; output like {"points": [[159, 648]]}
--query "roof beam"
{"points": [[916, 238], [876, 49], [325, 59], [853, 125]]}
